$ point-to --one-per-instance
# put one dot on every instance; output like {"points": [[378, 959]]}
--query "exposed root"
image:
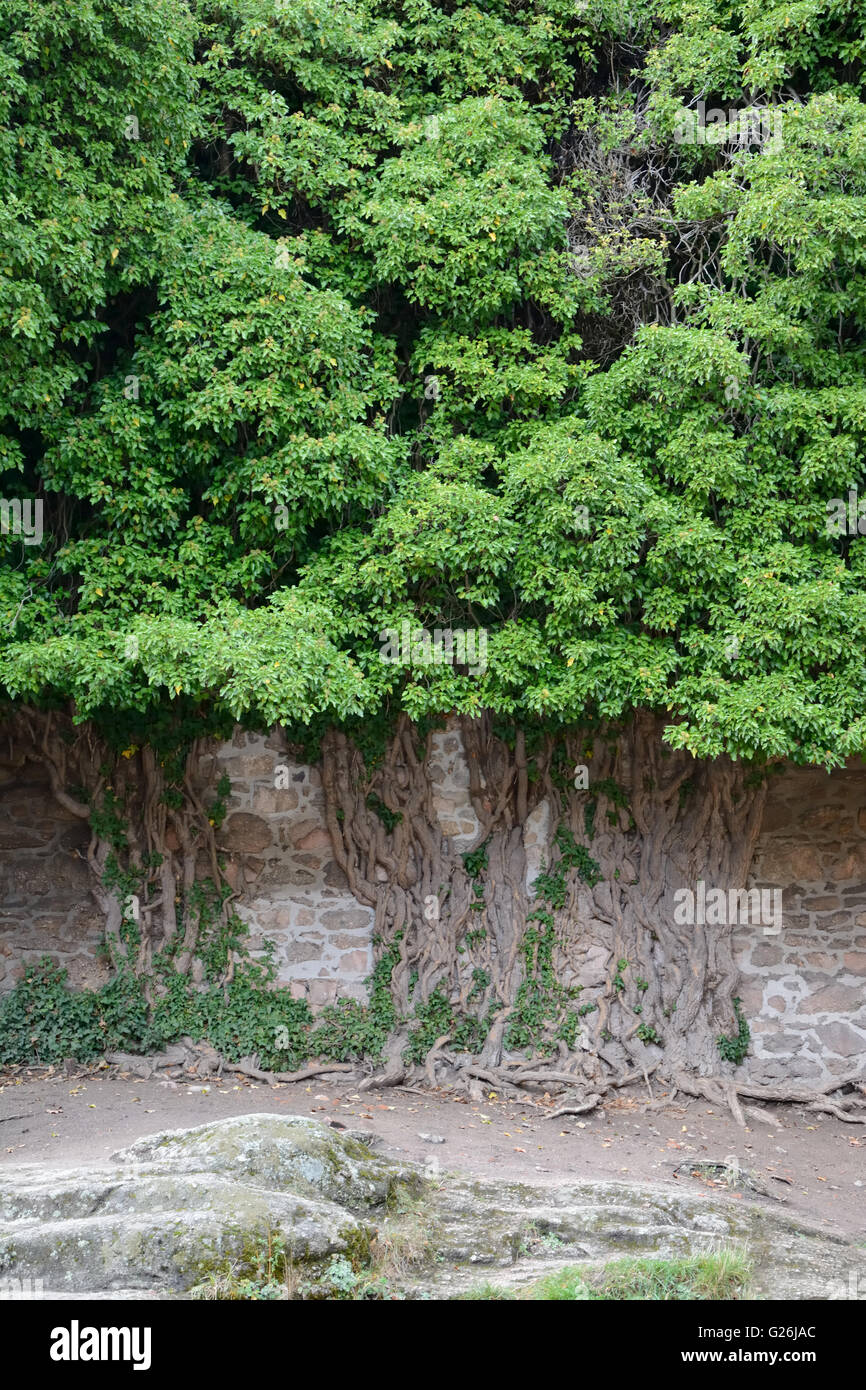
{"points": [[590, 1103], [827, 1107], [395, 1069], [430, 1060], [851, 1109], [762, 1116], [248, 1068]]}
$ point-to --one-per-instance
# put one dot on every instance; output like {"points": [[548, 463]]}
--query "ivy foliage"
{"points": [[321, 318], [43, 1021]]}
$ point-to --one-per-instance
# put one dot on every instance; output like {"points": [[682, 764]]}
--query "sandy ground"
{"points": [[817, 1164]]}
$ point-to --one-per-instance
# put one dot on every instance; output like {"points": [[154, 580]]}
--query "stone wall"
{"points": [[803, 990], [46, 907], [280, 855]]}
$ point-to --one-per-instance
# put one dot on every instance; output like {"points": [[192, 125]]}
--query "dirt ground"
{"points": [[815, 1164]]}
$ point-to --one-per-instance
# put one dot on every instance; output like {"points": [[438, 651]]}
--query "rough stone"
{"points": [[272, 801], [296, 951], [833, 998], [179, 1206], [176, 1205], [354, 962], [317, 839], [345, 919], [764, 955], [245, 834], [842, 1038]]}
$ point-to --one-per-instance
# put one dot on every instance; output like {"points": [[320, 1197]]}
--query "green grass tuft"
{"points": [[722, 1275]]}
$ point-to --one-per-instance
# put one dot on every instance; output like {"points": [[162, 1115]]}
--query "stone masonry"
{"points": [[280, 855], [804, 990]]}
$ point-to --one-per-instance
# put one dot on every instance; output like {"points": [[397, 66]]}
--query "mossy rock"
{"points": [[284, 1152], [175, 1206]]}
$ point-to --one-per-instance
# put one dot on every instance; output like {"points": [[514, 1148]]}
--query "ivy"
{"points": [[388, 817], [541, 999], [733, 1048]]}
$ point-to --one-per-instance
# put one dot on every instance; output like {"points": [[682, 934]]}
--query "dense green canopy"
{"points": [[320, 317]]}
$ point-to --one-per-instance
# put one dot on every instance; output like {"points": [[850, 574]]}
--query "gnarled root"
{"points": [[818, 1099]]}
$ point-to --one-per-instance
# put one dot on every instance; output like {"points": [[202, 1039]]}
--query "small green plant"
{"points": [[551, 1242], [734, 1048], [388, 817], [475, 863], [264, 1272], [717, 1276], [342, 1277], [648, 1035], [219, 807]]}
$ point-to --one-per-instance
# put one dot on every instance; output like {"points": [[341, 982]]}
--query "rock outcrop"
{"points": [[177, 1207]]}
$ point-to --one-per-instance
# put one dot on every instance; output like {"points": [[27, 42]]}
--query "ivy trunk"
{"points": [[155, 871], [489, 974]]}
